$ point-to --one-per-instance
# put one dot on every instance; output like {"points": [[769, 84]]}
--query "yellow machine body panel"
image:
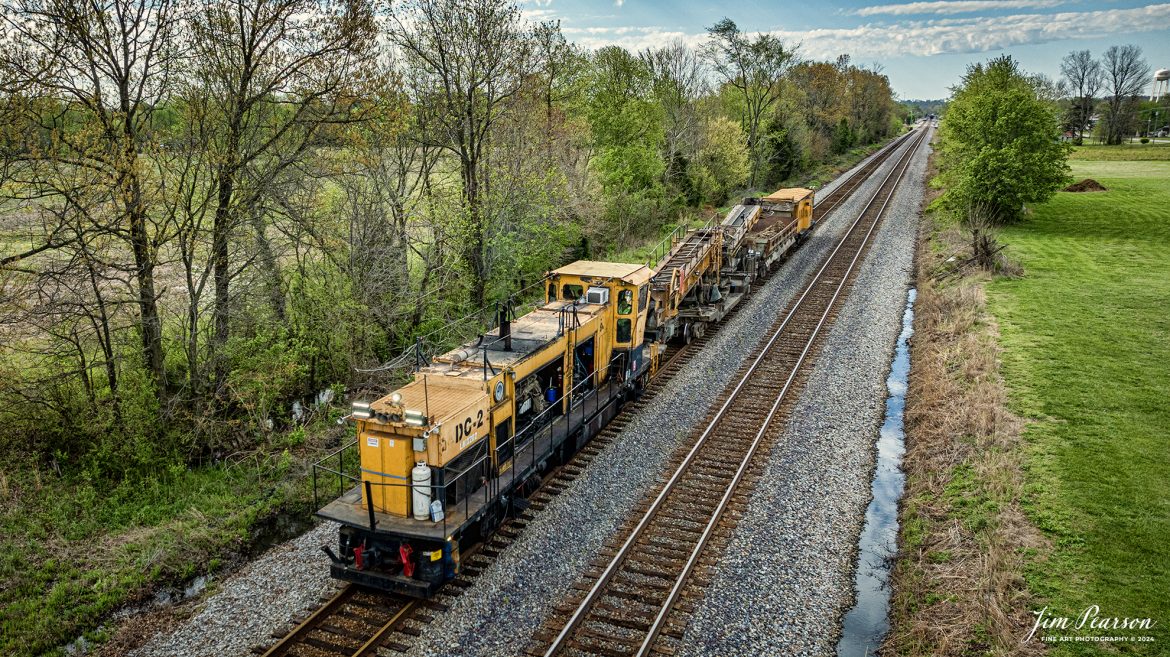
{"points": [[470, 393], [386, 460], [796, 202]]}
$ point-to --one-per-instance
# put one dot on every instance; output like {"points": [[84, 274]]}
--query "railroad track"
{"points": [[634, 600], [825, 205], [357, 622]]}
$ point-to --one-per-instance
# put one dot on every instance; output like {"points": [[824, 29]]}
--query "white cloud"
{"points": [[966, 35], [632, 38], [954, 7], [536, 15], [929, 37], [618, 3]]}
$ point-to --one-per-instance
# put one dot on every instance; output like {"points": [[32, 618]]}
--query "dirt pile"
{"points": [[1086, 185]]}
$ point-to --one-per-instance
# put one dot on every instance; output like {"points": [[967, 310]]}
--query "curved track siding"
{"points": [[629, 602], [356, 622]]}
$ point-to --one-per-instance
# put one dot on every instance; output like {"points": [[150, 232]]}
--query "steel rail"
{"points": [[326, 611], [846, 188], [371, 645], [611, 569], [285, 642], [664, 611]]}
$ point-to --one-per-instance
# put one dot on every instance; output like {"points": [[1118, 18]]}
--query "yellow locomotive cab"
{"points": [[441, 456]]}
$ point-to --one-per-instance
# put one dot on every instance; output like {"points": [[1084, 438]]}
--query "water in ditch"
{"points": [[866, 624]]}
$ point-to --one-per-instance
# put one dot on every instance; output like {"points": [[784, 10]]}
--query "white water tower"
{"points": [[1161, 84]]}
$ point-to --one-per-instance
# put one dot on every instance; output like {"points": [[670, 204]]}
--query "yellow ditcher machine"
{"points": [[444, 458]]}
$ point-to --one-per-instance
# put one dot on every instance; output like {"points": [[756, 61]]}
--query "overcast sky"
{"points": [[923, 46]]}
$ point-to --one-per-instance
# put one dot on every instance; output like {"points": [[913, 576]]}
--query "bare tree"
{"points": [[93, 74], [754, 67], [1084, 77], [272, 76], [394, 216], [679, 81], [468, 59], [1125, 74]]}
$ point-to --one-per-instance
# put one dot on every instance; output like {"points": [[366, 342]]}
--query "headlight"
{"points": [[415, 418]]}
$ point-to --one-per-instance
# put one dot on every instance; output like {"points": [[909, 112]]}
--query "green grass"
{"points": [[1121, 152], [1086, 337], [72, 553]]}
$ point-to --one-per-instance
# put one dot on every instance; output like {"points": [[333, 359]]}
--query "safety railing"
{"points": [[476, 480], [479, 483], [584, 403], [320, 468], [665, 249]]}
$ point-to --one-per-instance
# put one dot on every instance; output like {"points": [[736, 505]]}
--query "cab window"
{"points": [[570, 292], [624, 330], [643, 293], [552, 291], [625, 302]]}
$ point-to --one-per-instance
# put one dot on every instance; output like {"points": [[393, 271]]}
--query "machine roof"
{"points": [[530, 333], [788, 194], [620, 270]]}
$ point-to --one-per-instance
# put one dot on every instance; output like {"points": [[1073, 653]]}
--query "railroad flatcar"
{"points": [[444, 458]]}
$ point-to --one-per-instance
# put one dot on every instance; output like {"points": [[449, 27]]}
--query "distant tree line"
{"points": [[211, 209]]}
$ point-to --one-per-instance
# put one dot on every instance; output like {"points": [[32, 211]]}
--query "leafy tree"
{"points": [[722, 163], [843, 137], [785, 155], [755, 68], [821, 100], [466, 61], [1000, 147], [627, 131]]}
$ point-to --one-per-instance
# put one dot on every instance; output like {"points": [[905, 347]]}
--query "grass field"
{"points": [[71, 556], [1122, 152], [1086, 358]]}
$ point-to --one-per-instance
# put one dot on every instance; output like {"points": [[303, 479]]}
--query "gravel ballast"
{"points": [[786, 578], [513, 595], [247, 606]]}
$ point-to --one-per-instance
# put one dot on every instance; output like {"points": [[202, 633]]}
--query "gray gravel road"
{"points": [[498, 615]]}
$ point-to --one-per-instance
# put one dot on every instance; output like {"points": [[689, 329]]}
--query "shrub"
{"points": [[1000, 147]]}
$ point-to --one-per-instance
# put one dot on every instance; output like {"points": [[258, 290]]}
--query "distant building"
{"points": [[1161, 84]]}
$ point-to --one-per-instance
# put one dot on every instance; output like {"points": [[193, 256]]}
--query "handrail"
{"points": [[578, 397]]}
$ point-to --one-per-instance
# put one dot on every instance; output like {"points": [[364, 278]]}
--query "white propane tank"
{"points": [[420, 479]]}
